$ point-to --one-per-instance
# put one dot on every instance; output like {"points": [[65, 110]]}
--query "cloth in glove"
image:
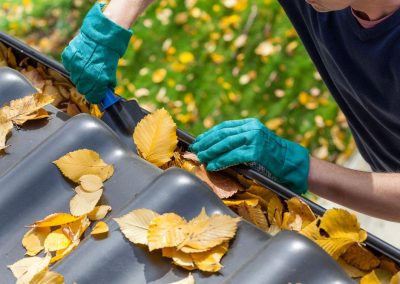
{"points": [[248, 140], [92, 56]]}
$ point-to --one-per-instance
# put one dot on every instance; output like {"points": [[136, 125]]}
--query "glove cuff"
{"points": [[103, 31], [296, 167]]}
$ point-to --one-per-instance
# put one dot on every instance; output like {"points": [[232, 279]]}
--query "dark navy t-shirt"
{"points": [[361, 68]]}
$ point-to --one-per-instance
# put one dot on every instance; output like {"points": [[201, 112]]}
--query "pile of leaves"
{"points": [[337, 231], [60, 233], [197, 244], [49, 83], [19, 111]]}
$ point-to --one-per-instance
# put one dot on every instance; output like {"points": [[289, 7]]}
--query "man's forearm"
{"points": [[125, 12], [376, 194]]}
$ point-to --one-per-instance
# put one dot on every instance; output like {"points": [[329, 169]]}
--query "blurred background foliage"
{"points": [[206, 62]]}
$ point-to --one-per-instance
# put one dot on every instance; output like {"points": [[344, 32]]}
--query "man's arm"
{"points": [[375, 194], [125, 12]]}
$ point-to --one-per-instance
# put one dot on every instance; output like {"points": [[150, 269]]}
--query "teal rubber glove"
{"points": [[92, 56], [248, 140]]}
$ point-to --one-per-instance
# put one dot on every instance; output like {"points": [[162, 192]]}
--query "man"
{"points": [[355, 47]]}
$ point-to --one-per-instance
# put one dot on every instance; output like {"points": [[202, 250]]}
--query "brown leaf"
{"points": [[222, 184], [360, 257]]}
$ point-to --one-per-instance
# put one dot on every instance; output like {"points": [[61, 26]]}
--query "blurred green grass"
{"points": [[206, 62]]}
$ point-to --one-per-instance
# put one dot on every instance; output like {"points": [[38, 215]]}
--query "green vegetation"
{"points": [[206, 62]]}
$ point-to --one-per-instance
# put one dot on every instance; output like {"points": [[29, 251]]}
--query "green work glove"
{"points": [[92, 56], [248, 140]]}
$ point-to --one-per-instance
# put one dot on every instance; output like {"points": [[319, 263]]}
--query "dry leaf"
{"points": [[47, 277], [222, 184], [210, 260], [135, 225], [275, 211], [253, 214], [60, 254], [33, 240], [21, 110], [395, 279], [56, 240], [99, 228], [263, 193], [237, 202], [179, 258], [343, 230], [25, 269], [5, 129], [55, 219], [167, 230], [388, 264], [299, 207], [99, 212], [191, 157], [291, 221], [370, 278], [84, 202], [311, 231], [187, 280], [84, 162], [155, 137], [207, 232], [248, 195], [360, 257], [91, 183]]}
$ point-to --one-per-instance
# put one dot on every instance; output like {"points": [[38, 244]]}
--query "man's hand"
{"points": [[92, 56], [248, 140]]}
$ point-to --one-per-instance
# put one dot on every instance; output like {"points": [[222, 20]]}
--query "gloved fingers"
{"points": [[213, 137], [92, 85], [225, 145], [225, 124], [237, 156]]}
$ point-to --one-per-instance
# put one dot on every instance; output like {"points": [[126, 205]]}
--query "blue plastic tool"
{"points": [[109, 100]]}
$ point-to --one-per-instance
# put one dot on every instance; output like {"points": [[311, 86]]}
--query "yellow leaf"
{"points": [[395, 279], [342, 229], [21, 110], [388, 264], [209, 261], [167, 230], [99, 228], [73, 231], [47, 277], [27, 268], [275, 211], [187, 280], [84, 202], [91, 183], [299, 207], [179, 258], [84, 162], [291, 221], [262, 192], [155, 137], [222, 184], [254, 215], [311, 231], [56, 240], [370, 278], [33, 240], [60, 254], [207, 232], [248, 195], [5, 129], [360, 257], [236, 202], [135, 225], [55, 219], [99, 212], [159, 75]]}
